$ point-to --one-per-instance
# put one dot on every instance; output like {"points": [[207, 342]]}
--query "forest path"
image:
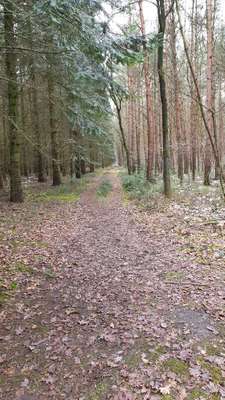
{"points": [[120, 312]]}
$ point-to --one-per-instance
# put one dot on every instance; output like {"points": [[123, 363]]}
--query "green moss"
{"points": [[214, 371], [174, 276], [39, 327], [1, 380], [21, 267], [133, 359], [156, 353], [66, 197], [3, 297], [179, 367], [213, 350], [167, 397], [99, 391], [13, 285], [49, 274], [67, 192], [215, 396], [195, 394]]}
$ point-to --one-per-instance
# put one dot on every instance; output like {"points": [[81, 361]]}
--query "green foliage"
{"points": [[214, 371], [137, 187], [196, 394], [104, 188], [179, 367], [67, 192]]}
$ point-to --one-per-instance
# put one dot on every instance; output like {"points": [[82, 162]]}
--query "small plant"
{"points": [[138, 188], [104, 189], [13, 285], [49, 274]]}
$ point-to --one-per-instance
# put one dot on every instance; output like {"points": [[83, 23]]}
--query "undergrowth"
{"points": [[138, 188], [69, 191], [104, 188]]}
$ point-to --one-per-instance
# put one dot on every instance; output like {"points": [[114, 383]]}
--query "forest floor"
{"points": [[102, 299]]}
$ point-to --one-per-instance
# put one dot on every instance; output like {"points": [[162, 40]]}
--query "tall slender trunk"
{"points": [[16, 192], [177, 111], [162, 84], [150, 131], [211, 135], [56, 177], [210, 106], [35, 112], [193, 105], [123, 137], [138, 125]]}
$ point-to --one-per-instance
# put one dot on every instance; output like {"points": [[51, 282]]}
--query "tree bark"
{"points": [[177, 103], [207, 160], [35, 112], [150, 130], [162, 84], [16, 192], [56, 177]]}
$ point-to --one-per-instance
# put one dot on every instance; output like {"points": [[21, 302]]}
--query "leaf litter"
{"points": [[110, 301]]}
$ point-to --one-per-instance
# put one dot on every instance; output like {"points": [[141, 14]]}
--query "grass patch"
{"points": [[67, 192], [4, 296], [133, 359], [6, 291], [176, 366], [99, 391], [196, 394], [104, 188], [57, 196], [214, 350], [214, 371], [155, 354], [174, 276], [25, 269]]}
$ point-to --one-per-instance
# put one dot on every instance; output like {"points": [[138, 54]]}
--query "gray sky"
{"points": [[151, 15]]}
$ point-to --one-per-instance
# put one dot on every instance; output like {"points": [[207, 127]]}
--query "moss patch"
{"points": [[67, 197], [174, 276], [214, 371], [67, 192], [99, 391], [213, 350], [21, 267], [179, 367], [133, 359], [49, 274], [155, 354], [3, 297], [195, 394]]}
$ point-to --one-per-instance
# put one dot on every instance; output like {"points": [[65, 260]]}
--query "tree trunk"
{"points": [[162, 84], [150, 131], [56, 178], [210, 100], [35, 112], [177, 111], [83, 166], [16, 192]]}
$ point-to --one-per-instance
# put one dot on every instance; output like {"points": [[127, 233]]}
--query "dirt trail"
{"points": [[118, 315]]}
